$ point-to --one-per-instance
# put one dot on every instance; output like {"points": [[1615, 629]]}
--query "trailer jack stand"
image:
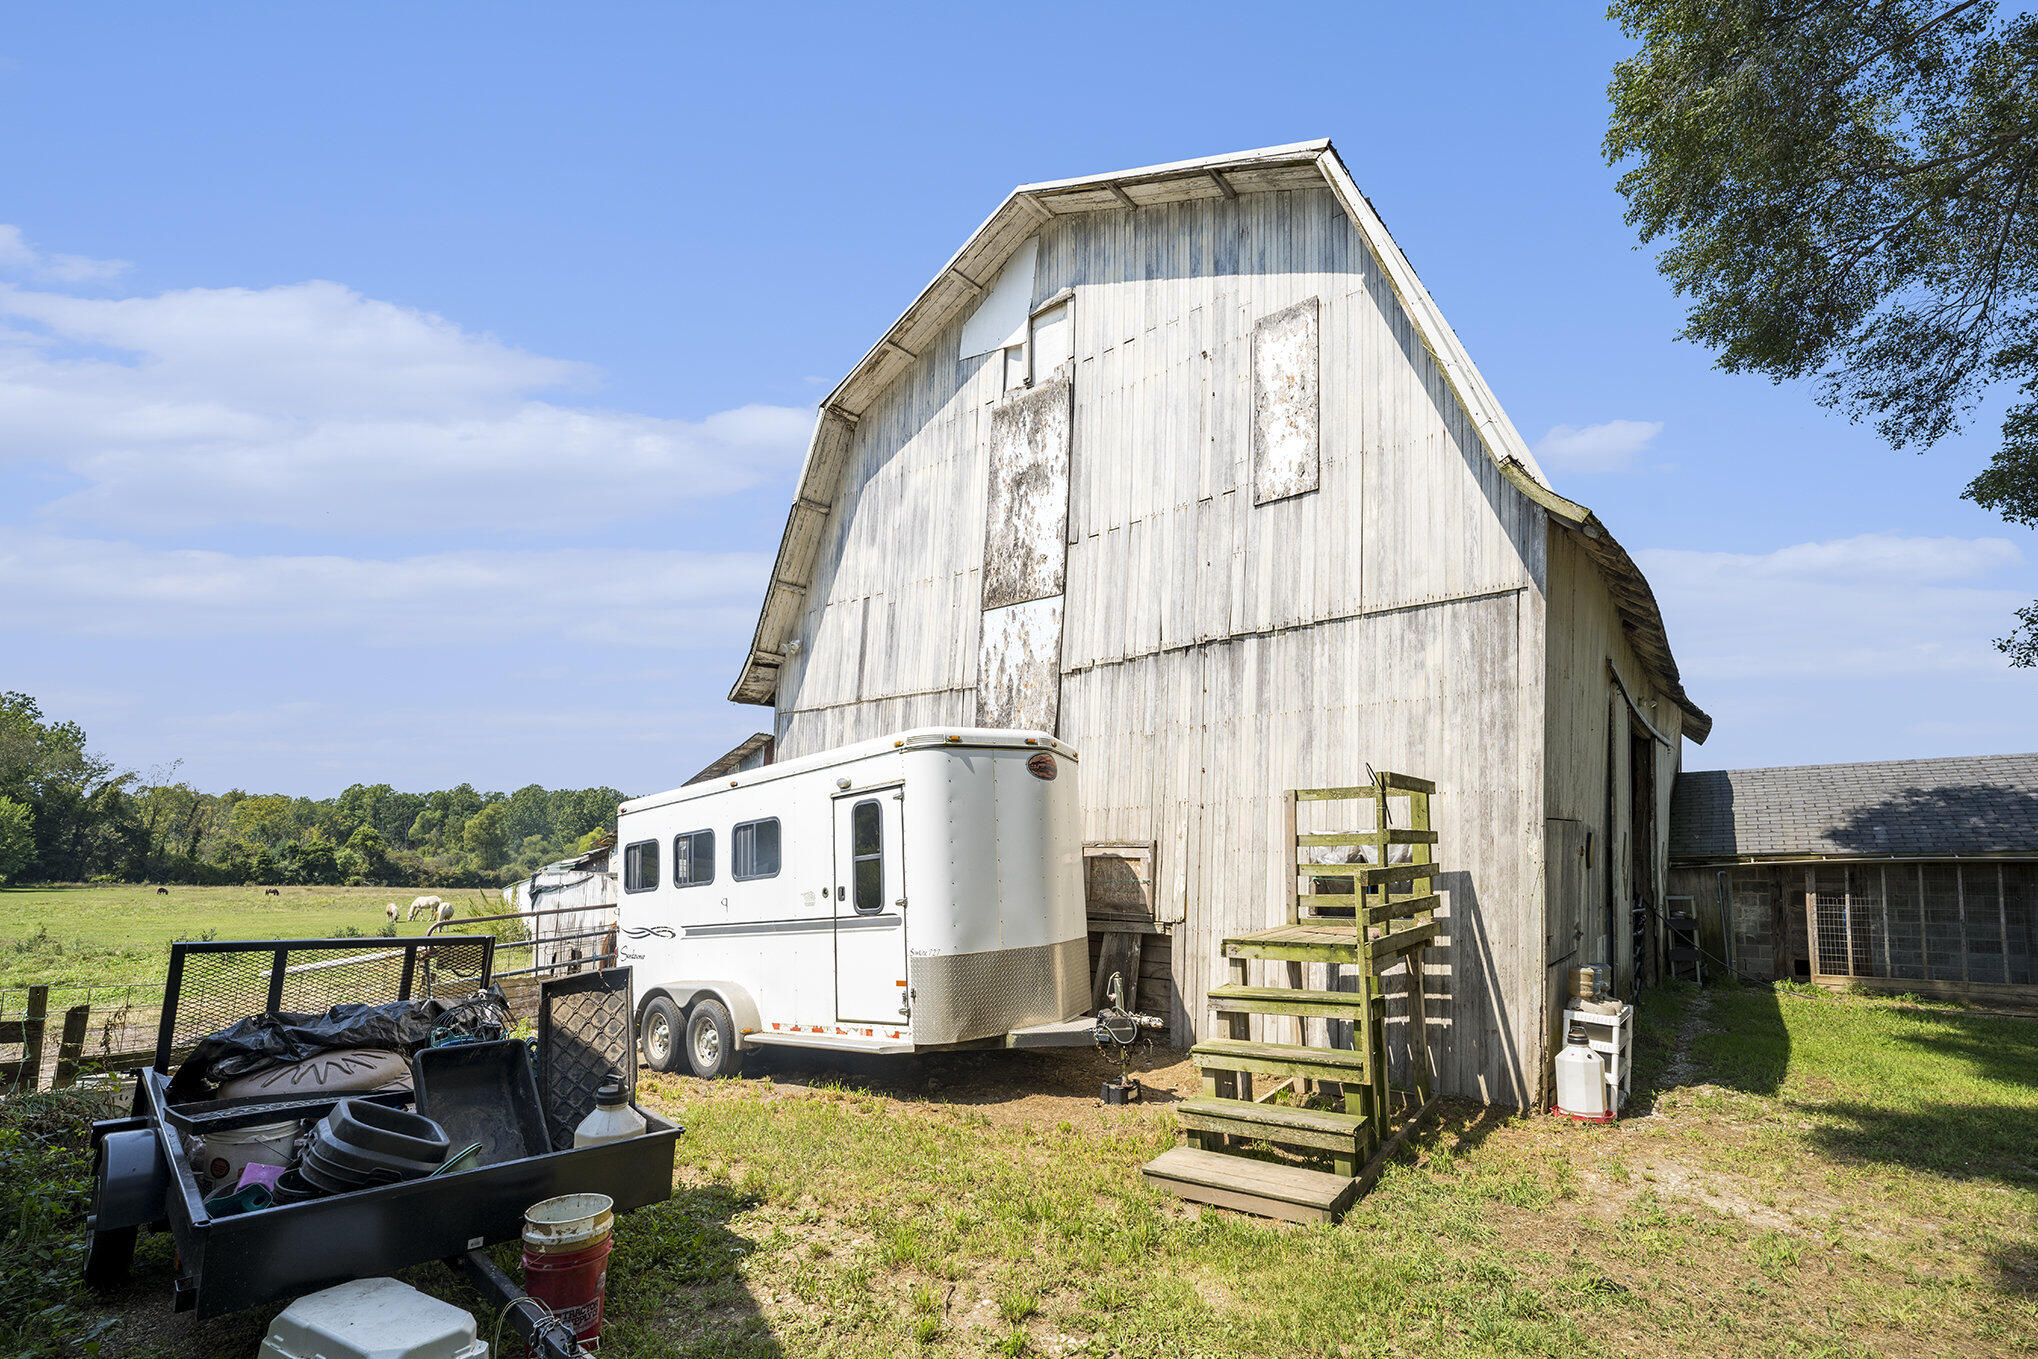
{"points": [[545, 1334], [1118, 1031]]}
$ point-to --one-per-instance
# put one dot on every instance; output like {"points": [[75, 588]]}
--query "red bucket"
{"points": [[571, 1285]]}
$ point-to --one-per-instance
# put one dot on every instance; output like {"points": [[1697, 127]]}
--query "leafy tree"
{"points": [[1848, 189], [17, 839], [486, 836], [314, 860], [247, 861], [370, 853], [528, 813]]}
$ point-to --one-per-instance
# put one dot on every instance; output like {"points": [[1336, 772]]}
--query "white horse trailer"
{"points": [[918, 891]]}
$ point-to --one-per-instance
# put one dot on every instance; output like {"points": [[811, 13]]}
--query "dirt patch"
{"points": [[1021, 1088]]}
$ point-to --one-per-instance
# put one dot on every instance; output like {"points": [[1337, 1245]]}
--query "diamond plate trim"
{"points": [[959, 997]]}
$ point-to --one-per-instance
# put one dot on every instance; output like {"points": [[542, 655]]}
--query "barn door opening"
{"points": [[870, 909], [1642, 854]]}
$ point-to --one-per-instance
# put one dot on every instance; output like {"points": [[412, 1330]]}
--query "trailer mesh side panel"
{"points": [[216, 987]]}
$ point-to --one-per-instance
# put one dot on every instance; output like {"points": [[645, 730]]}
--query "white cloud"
{"points": [[310, 405], [1848, 610], [17, 256], [1609, 447], [634, 598]]}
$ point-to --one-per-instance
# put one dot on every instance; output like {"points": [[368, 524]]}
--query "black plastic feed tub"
{"points": [[485, 1093]]}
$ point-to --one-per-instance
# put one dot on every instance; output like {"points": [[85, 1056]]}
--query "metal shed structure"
{"points": [[1183, 465], [1904, 875]]}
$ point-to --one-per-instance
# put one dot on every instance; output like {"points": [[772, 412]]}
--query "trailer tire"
{"points": [[109, 1256], [711, 1040], [660, 1035]]}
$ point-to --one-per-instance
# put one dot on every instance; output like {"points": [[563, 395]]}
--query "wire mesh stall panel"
{"points": [[214, 983], [1951, 924]]}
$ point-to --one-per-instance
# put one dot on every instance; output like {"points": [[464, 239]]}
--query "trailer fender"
{"points": [[741, 1007]]}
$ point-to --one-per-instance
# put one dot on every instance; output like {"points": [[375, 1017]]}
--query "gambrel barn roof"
{"points": [[966, 278]]}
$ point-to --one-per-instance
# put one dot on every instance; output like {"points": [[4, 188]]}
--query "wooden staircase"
{"points": [[1344, 1112]]}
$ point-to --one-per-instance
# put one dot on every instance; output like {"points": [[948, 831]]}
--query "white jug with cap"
{"points": [[613, 1119]]}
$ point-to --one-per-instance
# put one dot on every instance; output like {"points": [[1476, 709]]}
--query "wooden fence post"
{"points": [[71, 1046], [32, 1040]]}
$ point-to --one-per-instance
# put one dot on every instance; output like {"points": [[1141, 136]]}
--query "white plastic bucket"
{"points": [[222, 1156], [568, 1223]]}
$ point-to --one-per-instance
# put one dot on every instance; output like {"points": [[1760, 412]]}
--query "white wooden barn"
{"points": [[1183, 465]]}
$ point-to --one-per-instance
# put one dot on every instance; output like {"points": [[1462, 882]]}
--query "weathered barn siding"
{"points": [[1588, 727], [1215, 651]]}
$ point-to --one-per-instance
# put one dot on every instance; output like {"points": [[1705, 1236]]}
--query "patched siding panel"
{"points": [[1286, 442], [1026, 511], [1019, 668]]}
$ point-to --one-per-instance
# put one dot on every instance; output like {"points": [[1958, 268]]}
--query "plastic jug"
{"points": [[612, 1120], [1581, 1083]]}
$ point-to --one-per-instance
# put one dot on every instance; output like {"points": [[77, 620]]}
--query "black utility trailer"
{"points": [[225, 1264]]}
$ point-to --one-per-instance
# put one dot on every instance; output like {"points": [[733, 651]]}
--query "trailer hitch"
{"points": [[546, 1335]]}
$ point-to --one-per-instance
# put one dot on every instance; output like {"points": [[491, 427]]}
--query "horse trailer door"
{"points": [[870, 908]]}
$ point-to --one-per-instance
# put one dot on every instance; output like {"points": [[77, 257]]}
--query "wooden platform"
{"points": [[1290, 1193]]}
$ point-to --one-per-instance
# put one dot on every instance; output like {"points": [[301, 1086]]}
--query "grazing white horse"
{"points": [[425, 906], [445, 913], [392, 910]]}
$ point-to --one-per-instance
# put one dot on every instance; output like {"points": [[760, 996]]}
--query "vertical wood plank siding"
{"points": [[1215, 652]]}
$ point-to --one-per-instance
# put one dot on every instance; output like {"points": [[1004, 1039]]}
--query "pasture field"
{"points": [[118, 934], [1798, 1174]]}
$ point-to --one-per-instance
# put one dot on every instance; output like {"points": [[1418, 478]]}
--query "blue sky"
{"points": [[412, 392]]}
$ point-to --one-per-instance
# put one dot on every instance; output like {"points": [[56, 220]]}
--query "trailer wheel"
{"points": [[711, 1040], [660, 1037], [109, 1255]]}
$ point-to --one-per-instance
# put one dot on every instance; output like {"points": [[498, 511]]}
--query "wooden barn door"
{"points": [[1026, 512]]}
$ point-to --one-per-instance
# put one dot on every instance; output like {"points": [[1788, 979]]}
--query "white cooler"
{"points": [[372, 1319]]}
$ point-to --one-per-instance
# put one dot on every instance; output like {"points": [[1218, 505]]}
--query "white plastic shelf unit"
{"points": [[1613, 1038]]}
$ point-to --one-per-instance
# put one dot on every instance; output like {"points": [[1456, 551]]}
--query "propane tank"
{"points": [[613, 1119]]}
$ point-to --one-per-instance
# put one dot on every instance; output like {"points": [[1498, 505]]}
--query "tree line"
{"points": [[69, 815]]}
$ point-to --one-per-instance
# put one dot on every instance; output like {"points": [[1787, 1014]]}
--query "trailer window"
{"points": [[754, 850], [693, 858], [866, 855], [640, 866]]}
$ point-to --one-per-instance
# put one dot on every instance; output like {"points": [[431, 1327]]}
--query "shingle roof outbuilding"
{"points": [[1982, 804]]}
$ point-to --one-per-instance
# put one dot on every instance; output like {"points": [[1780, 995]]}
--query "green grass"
{"points": [[1834, 1177], [121, 933]]}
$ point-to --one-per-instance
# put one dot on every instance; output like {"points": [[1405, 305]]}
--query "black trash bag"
{"points": [[248, 1047]]}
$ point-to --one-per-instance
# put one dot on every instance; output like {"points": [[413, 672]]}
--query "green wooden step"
{"points": [[1276, 1123], [1280, 1059], [1307, 942], [1281, 1000], [1290, 1193]]}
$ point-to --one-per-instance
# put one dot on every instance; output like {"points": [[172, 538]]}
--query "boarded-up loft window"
{"points": [[1286, 444], [1050, 343], [1054, 339], [1026, 512]]}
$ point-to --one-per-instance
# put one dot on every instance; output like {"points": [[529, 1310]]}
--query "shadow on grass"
{"points": [[1745, 1043], [981, 1077], [2013, 1269], [1906, 1115], [1958, 1141]]}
